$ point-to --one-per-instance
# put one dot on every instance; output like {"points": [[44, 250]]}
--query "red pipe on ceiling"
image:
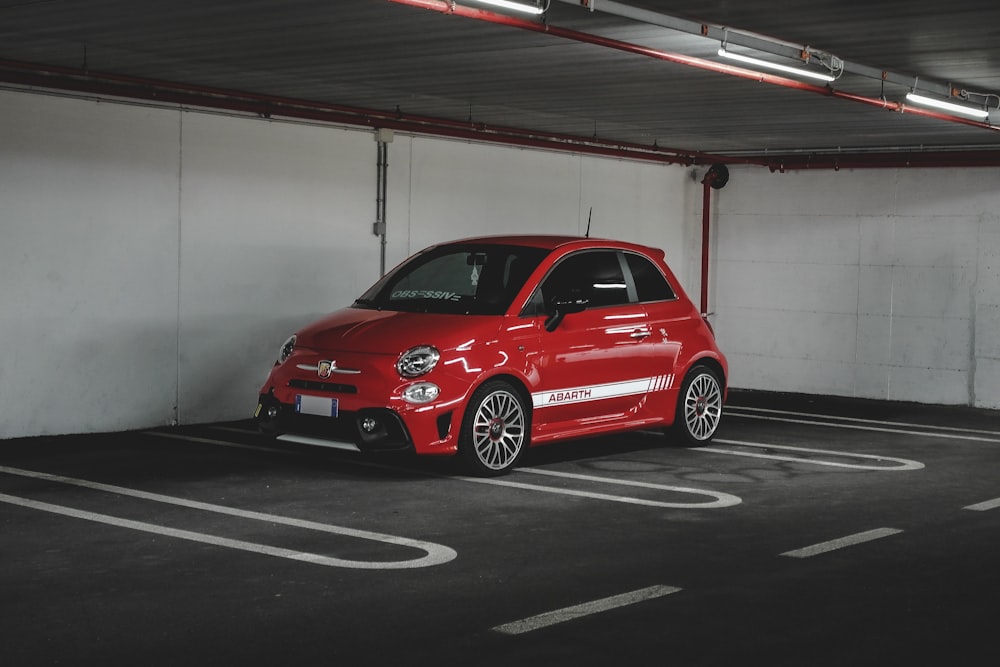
{"points": [[78, 80], [448, 7], [64, 78]]}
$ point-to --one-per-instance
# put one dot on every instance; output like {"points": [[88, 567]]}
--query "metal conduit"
{"points": [[171, 93], [448, 7]]}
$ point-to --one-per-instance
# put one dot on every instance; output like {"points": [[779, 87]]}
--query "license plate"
{"points": [[316, 405]]}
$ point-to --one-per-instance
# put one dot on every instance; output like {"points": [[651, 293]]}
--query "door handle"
{"points": [[639, 334]]}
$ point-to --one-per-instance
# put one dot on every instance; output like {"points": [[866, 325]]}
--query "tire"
{"points": [[495, 429], [699, 407]]}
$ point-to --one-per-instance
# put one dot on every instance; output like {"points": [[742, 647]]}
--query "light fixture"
{"points": [[947, 106], [797, 71], [516, 6]]}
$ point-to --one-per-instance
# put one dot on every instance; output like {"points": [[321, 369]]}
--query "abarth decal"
{"points": [[544, 399]]}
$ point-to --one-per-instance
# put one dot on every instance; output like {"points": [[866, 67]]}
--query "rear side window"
{"points": [[650, 285], [593, 275]]}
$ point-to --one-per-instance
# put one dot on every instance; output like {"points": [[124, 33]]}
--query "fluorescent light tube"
{"points": [[947, 106], [797, 71], [516, 6]]}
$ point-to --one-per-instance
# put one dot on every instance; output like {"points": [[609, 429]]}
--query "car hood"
{"points": [[393, 332]]}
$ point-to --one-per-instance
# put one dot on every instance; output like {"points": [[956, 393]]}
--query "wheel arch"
{"points": [[515, 380], [712, 363]]}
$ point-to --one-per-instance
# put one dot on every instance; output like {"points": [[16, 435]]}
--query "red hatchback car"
{"points": [[485, 346]]}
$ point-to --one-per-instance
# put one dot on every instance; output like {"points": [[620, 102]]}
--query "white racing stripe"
{"points": [[586, 609], [597, 392], [840, 543], [904, 464], [437, 554]]}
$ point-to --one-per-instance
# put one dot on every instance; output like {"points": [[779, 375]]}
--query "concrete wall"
{"points": [[877, 284], [153, 260]]}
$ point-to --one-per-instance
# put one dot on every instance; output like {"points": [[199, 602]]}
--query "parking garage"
{"points": [[184, 187]]}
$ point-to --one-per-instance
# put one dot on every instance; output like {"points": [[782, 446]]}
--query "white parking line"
{"points": [[437, 554], [736, 408], [220, 443], [720, 499], [840, 543], [602, 496], [985, 505], [862, 427], [904, 464], [586, 609]]}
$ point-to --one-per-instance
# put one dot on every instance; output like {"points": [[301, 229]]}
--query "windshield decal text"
{"points": [[425, 294]]}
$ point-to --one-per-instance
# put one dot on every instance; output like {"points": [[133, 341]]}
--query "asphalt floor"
{"points": [[813, 531]]}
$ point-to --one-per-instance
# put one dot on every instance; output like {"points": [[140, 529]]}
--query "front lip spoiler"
{"points": [[318, 442], [345, 433]]}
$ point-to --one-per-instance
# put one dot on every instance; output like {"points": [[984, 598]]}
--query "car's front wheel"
{"points": [[495, 429], [699, 406]]}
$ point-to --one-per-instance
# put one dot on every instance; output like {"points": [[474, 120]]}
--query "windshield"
{"points": [[457, 279]]}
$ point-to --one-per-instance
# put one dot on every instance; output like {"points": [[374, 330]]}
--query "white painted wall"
{"points": [[152, 260], [275, 230], [880, 284], [88, 265], [441, 190]]}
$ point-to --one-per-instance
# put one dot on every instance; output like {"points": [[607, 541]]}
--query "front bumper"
{"points": [[364, 428], [367, 429]]}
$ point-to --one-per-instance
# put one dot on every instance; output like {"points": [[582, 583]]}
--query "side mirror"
{"points": [[563, 306]]}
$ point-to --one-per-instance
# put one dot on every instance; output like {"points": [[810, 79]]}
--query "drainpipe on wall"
{"points": [[383, 137], [715, 178]]}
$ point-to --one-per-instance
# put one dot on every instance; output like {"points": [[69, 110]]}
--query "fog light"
{"points": [[421, 392], [272, 412], [369, 424]]}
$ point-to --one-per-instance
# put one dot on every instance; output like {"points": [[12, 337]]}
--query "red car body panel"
{"points": [[600, 370]]}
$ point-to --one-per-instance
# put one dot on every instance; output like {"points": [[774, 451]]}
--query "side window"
{"points": [[649, 282], [595, 276]]}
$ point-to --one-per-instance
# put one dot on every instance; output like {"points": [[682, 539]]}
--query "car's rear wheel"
{"points": [[495, 429], [699, 406]]}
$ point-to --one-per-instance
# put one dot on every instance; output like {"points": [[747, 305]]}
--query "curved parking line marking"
{"points": [[904, 464], [437, 554], [719, 502], [840, 543], [859, 427], [586, 609], [721, 499]]}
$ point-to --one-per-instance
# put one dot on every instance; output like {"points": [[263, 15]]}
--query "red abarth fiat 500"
{"points": [[485, 346]]}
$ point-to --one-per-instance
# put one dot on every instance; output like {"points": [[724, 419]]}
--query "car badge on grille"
{"points": [[327, 368]]}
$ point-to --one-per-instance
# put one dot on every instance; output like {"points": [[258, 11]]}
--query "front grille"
{"points": [[333, 387]]}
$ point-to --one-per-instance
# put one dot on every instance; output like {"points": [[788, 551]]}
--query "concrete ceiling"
{"points": [[411, 62]]}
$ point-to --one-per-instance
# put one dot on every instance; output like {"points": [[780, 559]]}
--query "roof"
{"points": [[587, 80]]}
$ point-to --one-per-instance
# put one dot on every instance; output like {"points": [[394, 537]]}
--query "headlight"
{"points": [[286, 349], [417, 360], [421, 392]]}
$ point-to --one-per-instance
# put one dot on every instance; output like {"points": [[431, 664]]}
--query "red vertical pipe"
{"points": [[706, 207]]}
